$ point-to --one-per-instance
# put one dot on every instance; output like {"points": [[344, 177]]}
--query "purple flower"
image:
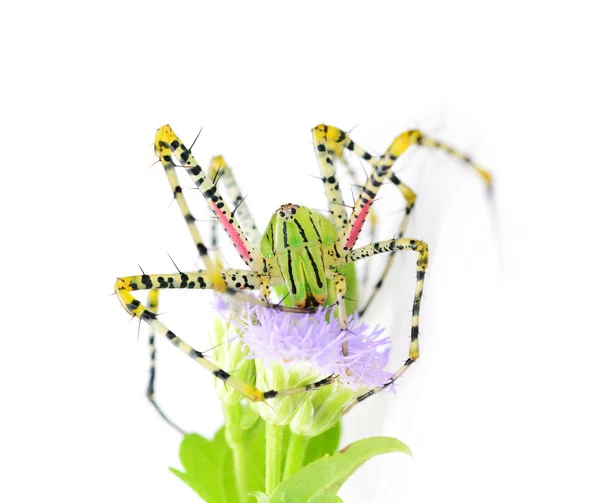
{"points": [[316, 338]]}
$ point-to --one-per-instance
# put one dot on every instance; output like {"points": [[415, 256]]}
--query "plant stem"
{"points": [[274, 439], [235, 438], [294, 459]]}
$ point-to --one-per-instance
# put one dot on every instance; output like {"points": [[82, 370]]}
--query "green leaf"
{"points": [[324, 477], [324, 444], [326, 498], [205, 463]]}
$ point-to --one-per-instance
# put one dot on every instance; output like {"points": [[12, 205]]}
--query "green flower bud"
{"points": [[230, 353], [309, 413]]}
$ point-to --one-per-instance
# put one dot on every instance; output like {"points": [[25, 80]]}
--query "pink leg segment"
{"points": [[232, 232], [358, 223]]}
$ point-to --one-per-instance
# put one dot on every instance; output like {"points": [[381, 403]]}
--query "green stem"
{"points": [[234, 436], [294, 459], [274, 438]]}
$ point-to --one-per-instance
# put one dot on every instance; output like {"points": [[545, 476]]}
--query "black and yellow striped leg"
{"points": [[378, 389], [325, 159], [222, 174], [382, 173], [153, 307], [410, 197], [209, 264], [192, 280], [189, 218], [339, 281], [336, 142], [422, 261], [330, 143], [373, 219], [167, 144], [235, 280], [211, 267]]}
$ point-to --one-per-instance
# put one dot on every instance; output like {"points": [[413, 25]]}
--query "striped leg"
{"points": [[340, 292], [235, 280], [382, 173], [167, 142], [152, 307], [336, 141], [422, 261], [210, 265], [338, 151], [325, 139], [378, 389], [410, 196], [190, 220], [219, 171]]}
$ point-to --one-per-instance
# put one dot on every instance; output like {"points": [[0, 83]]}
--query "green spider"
{"points": [[304, 256]]}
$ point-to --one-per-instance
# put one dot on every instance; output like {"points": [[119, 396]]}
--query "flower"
{"points": [[317, 338], [292, 350]]}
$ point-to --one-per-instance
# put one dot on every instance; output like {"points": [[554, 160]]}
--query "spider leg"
{"points": [[379, 175], [410, 196], [330, 143], [422, 261], [153, 307], [189, 218], [211, 267], [325, 156], [221, 173], [235, 280], [378, 389], [339, 281], [335, 142], [166, 143], [356, 181]]}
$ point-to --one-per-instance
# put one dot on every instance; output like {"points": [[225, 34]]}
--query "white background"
{"points": [[503, 405]]}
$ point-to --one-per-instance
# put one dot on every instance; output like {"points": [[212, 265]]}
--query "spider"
{"points": [[306, 256]]}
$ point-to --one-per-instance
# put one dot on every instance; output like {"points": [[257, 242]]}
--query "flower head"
{"points": [[316, 339], [290, 350]]}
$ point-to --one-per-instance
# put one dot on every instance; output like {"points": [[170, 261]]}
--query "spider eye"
{"points": [[293, 211], [281, 214]]}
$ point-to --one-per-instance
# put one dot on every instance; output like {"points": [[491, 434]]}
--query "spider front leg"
{"points": [[325, 157], [331, 143], [190, 220], [221, 174], [212, 268], [167, 143], [410, 196]]}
